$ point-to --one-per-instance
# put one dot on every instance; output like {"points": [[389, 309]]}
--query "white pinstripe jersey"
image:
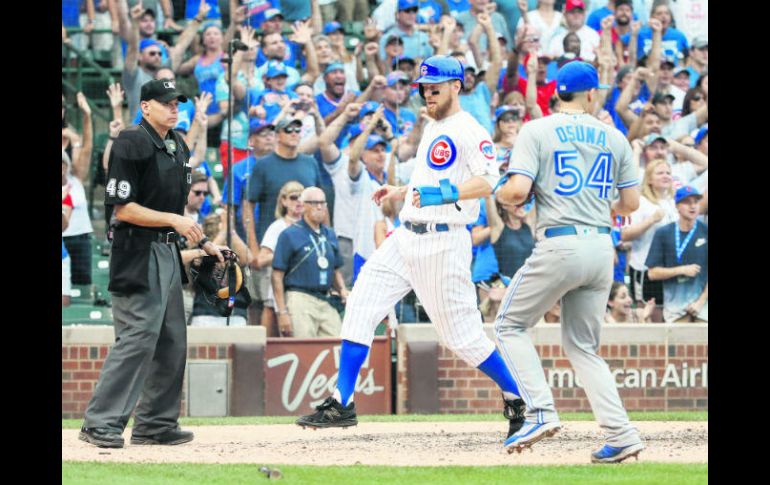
{"points": [[457, 148], [577, 163]]}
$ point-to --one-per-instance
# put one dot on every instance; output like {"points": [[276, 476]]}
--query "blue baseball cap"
{"points": [[334, 66], [145, 43], [258, 124], [356, 130], [275, 69], [404, 4], [397, 76], [272, 12], [578, 76], [368, 107], [686, 191], [333, 27], [506, 108], [375, 140], [704, 130]]}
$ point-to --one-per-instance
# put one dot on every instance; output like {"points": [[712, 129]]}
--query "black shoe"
{"points": [[173, 436], [330, 414], [101, 437], [514, 410]]}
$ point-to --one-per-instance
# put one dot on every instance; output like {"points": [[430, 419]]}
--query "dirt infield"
{"points": [[398, 444]]}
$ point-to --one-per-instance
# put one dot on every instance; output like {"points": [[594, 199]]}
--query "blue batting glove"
{"points": [[445, 193]]}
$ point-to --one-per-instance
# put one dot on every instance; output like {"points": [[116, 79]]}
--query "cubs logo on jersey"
{"points": [[442, 153], [487, 149]]}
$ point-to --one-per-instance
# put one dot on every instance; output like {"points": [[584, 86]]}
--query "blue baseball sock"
{"points": [[495, 368], [352, 357]]}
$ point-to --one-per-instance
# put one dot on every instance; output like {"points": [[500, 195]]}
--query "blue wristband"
{"points": [[445, 193]]}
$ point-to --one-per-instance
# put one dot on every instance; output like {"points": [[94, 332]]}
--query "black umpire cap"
{"points": [[163, 90]]}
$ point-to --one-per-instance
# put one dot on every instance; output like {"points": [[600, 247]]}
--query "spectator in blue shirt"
{"points": [[396, 93], [268, 103], [674, 41], [415, 41], [476, 97], [306, 266]]}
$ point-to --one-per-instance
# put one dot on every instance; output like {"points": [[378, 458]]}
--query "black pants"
{"points": [[79, 248], [650, 289]]}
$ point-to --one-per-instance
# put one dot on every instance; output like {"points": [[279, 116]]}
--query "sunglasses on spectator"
{"points": [[293, 197], [198, 193], [292, 129], [154, 53], [697, 97], [411, 10], [509, 118]]}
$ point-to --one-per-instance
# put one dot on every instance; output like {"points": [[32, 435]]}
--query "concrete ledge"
{"points": [[612, 333], [105, 335]]}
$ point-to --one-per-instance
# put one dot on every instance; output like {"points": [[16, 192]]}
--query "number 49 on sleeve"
{"points": [[599, 177]]}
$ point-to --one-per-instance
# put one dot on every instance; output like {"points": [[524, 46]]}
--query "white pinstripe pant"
{"points": [[437, 266]]}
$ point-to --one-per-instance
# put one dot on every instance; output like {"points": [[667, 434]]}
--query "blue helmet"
{"points": [[439, 69]]}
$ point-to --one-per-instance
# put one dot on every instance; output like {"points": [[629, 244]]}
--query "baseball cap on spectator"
{"points": [[577, 76], [145, 43], [258, 124], [624, 2], [399, 59], [375, 140], [681, 69], [623, 72], [368, 107], [653, 137], [668, 59], [506, 108], [272, 12], [275, 69], [333, 27], [150, 12], [397, 76], [394, 39], [356, 130], [702, 132], [700, 42], [405, 4], [163, 90], [334, 66], [573, 4], [686, 191], [286, 122], [660, 97]]}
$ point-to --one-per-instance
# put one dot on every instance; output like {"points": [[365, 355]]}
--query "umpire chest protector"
{"points": [[154, 173]]}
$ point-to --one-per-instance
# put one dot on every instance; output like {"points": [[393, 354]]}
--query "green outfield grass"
{"points": [[91, 473], [411, 418]]}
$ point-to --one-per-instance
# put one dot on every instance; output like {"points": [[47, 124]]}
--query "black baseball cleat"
{"points": [[330, 414], [514, 410], [174, 436], [101, 437]]}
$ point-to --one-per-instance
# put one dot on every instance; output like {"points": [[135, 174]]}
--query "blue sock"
{"points": [[352, 357], [495, 368]]}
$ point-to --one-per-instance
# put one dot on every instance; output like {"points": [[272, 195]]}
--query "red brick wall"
{"points": [[81, 365], [464, 389]]}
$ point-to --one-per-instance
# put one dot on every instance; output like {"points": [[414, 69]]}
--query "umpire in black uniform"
{"points": [[149, 177]]}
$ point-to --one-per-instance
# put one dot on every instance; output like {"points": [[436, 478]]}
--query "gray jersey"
{"points": [[577, 163]]}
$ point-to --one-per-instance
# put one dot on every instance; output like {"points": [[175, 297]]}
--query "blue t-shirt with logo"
{"points": [[297, 251], [191, 9], [429, 12], [406, 121], [674, 43]]}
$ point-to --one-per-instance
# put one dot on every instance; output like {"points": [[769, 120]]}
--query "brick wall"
{"points": [[81, 365], [658, 367]]}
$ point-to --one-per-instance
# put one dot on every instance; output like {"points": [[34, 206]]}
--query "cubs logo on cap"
{"points": [[442, 153], [487, 149], [423, 70]]}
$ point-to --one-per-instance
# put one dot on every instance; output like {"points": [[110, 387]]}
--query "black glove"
{"points": [[211, 278]]}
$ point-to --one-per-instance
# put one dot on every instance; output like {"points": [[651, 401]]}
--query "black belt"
{"points": [[571, 231], [162, 236], [423, 227]]}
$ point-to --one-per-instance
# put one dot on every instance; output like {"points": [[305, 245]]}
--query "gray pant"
{"points": [[577, 270], [148, 356], [346, 253]]}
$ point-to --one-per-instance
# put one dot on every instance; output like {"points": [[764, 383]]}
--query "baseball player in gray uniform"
{"points": [[582, 171], [430, 251]]}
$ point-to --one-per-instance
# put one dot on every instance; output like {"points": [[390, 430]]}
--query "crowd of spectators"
{"points": [[324, 111]]}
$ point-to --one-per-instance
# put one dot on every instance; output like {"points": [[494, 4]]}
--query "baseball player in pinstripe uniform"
{"points": [[582, 170], [431, 250]]}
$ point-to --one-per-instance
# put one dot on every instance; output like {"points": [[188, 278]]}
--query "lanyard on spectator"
{"points": [[680, 248]]}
